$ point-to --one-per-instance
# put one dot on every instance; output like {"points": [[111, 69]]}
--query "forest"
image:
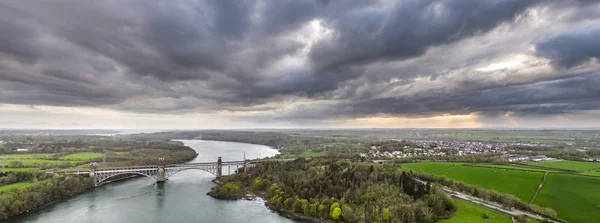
{"points": [[46, 189], [345, 190]]}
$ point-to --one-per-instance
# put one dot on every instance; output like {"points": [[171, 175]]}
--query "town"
{"points": [[430, 148]]}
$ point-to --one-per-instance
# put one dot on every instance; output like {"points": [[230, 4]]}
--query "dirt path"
{"points": [[539, 188]]}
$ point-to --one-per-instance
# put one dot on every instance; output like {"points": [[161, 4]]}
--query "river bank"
{"points": [[181, 199], [257, 194]]}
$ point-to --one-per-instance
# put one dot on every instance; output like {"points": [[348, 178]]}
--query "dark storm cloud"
{"points": [[186, 55], [409, 28], [558, 96], [571, 48]]}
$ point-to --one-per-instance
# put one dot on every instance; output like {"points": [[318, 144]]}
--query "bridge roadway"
{"points": [[159, 173]]}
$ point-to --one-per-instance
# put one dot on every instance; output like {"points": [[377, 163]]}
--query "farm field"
{"points": [[469, 212], [6, 169], [14, 186], [510, 167], [27, 156], [568, 165], [81, 156], [431, 167], [591, 173], [574, 197], [522, 184], [305, 154], [33, 162], [27, 162]]}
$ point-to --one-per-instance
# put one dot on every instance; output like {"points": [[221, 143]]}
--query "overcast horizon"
{"points": [[211, 64]]}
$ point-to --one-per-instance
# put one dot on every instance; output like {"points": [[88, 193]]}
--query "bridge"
{"points": [[159, 173]]}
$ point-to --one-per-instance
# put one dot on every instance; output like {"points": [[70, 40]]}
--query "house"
{"points": [[517, 158], [22, 150], [538, 158]]}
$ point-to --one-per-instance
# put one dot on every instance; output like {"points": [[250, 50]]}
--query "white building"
{"points": [[538, 158], [517, 158]]}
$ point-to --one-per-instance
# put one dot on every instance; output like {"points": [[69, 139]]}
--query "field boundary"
{"points": [[506, 168], [546, 168], [539, 188]]}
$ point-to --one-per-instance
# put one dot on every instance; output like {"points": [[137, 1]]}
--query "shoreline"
{"points": [[117, 179], [281, 212]]}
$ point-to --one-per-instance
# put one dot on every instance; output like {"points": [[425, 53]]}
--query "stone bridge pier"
{"points": [[161, 175]]}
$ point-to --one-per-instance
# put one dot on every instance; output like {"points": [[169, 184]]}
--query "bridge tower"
{"points": [[245, 163], [93, 176], [161, 173], [219, 167]]}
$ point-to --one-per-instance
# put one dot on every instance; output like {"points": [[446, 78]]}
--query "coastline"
{"points": [[251, 195]]}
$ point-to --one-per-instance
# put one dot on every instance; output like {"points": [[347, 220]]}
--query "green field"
{"points": [[432, 167], [82, 156], [27, 156], [31, 162], [17, 169], [574, 197], [579, 166], [511, 167], [305, 154], [469, 212], [46, 160], [591, 173], [522, 184], [14, 186]]}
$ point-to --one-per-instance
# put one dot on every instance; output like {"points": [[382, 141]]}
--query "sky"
{"points": [[214, 64]]}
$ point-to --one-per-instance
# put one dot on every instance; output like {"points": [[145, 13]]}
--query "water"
{"points": [[181, 199], [127, 132]]}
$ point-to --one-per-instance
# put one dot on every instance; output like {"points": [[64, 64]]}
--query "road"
{"points": [[490, 205]]}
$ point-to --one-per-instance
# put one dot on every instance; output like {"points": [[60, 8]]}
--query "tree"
{"points": [[313, 209], [348, 213], [335, 214], [333, 207], [485, 215], [386, 214]]}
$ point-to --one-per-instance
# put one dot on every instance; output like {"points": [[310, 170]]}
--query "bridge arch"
{"points": [[171, 172], [104, 177]]}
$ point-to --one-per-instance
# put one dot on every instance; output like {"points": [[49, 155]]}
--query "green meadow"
{"points": [[469, 212], [27, 156], [304, 154], [520, 183], [574, 197], [579, 166], [81, 156], [14, 186], [432, 167]]}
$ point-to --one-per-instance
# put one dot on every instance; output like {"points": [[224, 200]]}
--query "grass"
{"points": [[305, 154], [522, 184], [469, 212], [579, 166], [35, 160], [431, 167], [14, 186], [511, 167], [591, 173], [574, 197], [29, 162], [82, 156], [27, 156], [18, 169]]}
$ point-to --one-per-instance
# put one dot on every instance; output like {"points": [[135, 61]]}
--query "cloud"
{"points": [[572, 47], [302, 59]]}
